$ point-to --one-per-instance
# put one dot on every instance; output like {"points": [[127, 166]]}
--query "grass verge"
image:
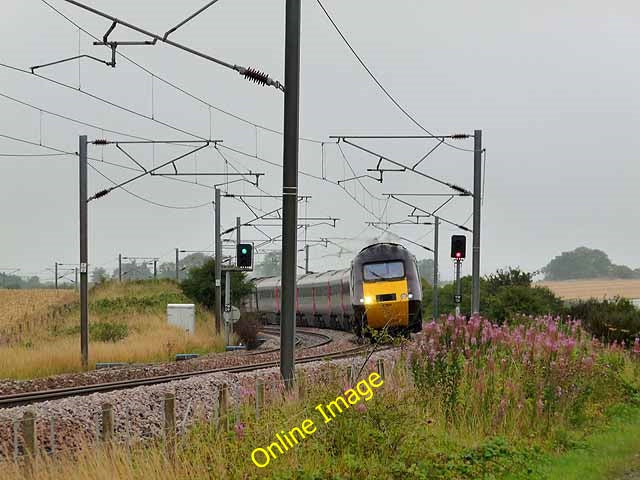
{"points": [[127, 323]]}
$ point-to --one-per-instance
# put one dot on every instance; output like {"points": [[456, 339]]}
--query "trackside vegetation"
{"points": [[465, 400], [508, 294], [128, 323]]}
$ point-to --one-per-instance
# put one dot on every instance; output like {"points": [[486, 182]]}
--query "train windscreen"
{"points": [[373, 272]]}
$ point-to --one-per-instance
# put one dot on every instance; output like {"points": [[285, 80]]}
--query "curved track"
{"points": [[275, 331]]}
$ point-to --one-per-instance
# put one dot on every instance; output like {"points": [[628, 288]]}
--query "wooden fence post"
{"points": [[170, 425], [222, 406], [107, 422], [259, 397], [349, 375], [52, 435], [29, 433], [302, 386], [380, 364]]}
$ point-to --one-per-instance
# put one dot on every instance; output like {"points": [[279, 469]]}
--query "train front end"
{"points": [[387, 288]]}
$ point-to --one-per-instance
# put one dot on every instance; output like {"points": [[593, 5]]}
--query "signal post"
{"points": [[458, 253]]}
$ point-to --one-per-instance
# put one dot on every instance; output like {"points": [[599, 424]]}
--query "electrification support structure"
{"points": [[218, 260], [290, 189], [120, 267], [177, 265], [84, 255], [435, 267], [477, 199], [238, 224], [55, 273]]}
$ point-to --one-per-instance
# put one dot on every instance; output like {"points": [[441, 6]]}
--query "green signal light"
{"points": [[244, 251]]}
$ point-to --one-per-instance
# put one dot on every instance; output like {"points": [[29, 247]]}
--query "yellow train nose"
{"points": [[386, 303]]}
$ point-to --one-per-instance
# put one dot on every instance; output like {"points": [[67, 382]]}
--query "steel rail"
{"points": [[15, 400]]}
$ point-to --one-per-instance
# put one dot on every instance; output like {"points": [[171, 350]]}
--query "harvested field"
{"points": [[596, 288]]}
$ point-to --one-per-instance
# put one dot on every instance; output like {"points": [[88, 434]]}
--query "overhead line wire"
{"points": [[180, 89], [174, 207], [154, 75], [373, 77]]}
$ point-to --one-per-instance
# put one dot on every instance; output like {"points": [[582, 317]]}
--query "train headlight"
{"points": [[366, 300], [403, 296], [410, 295]]}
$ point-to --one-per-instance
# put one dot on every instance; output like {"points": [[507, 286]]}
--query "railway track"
{"points": [[27, 398], [275, 331]]}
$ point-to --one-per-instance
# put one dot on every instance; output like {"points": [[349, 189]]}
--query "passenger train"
{"points": [[380, 289]]}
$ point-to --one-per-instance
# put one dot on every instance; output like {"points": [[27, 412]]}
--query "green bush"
{"points": [[154, 302], [503, 295], [200, 285], [509, 301], [609, 320], [98, 331], [108, 331]]}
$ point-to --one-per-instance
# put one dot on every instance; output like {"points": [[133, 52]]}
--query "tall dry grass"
{"points": [[22, 311], [46, 341]]}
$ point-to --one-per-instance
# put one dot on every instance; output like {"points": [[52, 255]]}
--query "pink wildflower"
{"points": [[361, 407], [239, 429], [636, 346]]}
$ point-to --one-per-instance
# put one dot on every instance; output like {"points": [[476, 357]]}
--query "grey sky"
{"points": [[553, 87]]}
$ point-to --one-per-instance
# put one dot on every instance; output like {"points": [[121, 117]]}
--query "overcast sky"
{"points": [[553, 85]]}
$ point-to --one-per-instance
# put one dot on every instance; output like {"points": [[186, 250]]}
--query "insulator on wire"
{"points": [[459, 136], [100, 141], [257, 76], [102, 193]]}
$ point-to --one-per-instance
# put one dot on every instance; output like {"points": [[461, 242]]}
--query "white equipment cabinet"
{"points": [[182, 315]]}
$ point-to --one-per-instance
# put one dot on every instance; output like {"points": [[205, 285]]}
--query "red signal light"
{"points": [[458, 246]]}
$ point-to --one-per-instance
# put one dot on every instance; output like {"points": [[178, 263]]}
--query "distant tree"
{"points": [[190, 261], [620, 271], [512, 276], [99, 275], [134, 271], [582, 262], [425, 269], [167, 270], [269, 266], [585, 262], [200, 285], [16, 282]]}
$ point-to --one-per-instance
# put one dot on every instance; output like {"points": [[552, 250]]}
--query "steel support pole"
{"points": [[84, 256], [306, 259], [177, 265], [290, 190], [237, 233], [477, 197], [55, 273], [458, 285], [218, 267], [435, 267], [227, 304], [119, 267], [76, 280]]}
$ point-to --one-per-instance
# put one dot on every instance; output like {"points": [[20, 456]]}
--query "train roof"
{"points": [[305, 279], [381, 252]]}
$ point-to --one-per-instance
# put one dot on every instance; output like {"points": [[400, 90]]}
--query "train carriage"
{"points": [[381, 289]]}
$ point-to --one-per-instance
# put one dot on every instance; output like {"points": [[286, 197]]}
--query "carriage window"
{"points": [[383, 271]]}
